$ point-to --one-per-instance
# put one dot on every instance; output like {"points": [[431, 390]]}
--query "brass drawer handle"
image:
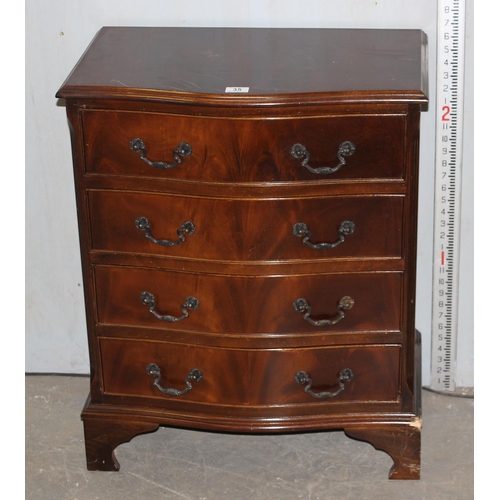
{"points": [[183, 149], [191, 303], [346, 375], [299, 151], [154, 370], [302, 306], [187, 229], [302, 231]]}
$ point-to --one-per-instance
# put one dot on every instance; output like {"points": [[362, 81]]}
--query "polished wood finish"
{"points": [[243, 190], [103, 435], [230, 304], [182, 63], [239, 150], [250, 234], [251, 377], [401, 442]]}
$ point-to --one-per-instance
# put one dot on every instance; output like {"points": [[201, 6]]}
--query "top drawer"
{"points": [[244, 150]]}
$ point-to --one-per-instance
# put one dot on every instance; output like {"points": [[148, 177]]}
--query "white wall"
{"points": [[58, 31]]}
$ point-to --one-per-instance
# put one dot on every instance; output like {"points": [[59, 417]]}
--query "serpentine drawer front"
{"points": [[192, 148], [230, 304], [249, 253], [241, 377], [198, 227]]}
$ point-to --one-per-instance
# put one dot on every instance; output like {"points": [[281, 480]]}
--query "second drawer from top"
{"points": [[249, 229]]}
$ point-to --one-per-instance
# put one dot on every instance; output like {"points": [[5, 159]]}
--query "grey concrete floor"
{"points": [[184, 464]]}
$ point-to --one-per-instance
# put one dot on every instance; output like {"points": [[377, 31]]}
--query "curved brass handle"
{"points": [[302, 306], [187, 229], [148, 299], [302, 231], [183, 149], [345, 375], [154, 370], [299, 151]]}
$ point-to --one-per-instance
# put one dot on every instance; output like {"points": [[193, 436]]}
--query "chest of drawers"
{"points": [[249, 253]]}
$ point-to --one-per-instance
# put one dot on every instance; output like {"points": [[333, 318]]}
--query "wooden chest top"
{"points": [[174, 63]]}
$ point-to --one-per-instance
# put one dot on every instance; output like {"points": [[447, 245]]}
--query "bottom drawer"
{"points": [[249, 377]]}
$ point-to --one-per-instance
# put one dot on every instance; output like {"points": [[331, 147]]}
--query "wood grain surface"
{"points": [[249, 377], [184, 62], [244, 190], [238, 150], [239, 304], [247, 230]]}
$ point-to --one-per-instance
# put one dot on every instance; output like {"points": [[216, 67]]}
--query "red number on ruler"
{"points": [[445, 116]]}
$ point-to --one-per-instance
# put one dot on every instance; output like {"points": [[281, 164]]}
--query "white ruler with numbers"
{"points": [[449, 136]]}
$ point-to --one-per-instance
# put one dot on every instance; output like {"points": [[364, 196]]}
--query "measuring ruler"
{"points": [[449, 134]]}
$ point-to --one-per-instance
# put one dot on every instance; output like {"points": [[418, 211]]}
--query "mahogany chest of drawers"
{"points": [[247, 205]]}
